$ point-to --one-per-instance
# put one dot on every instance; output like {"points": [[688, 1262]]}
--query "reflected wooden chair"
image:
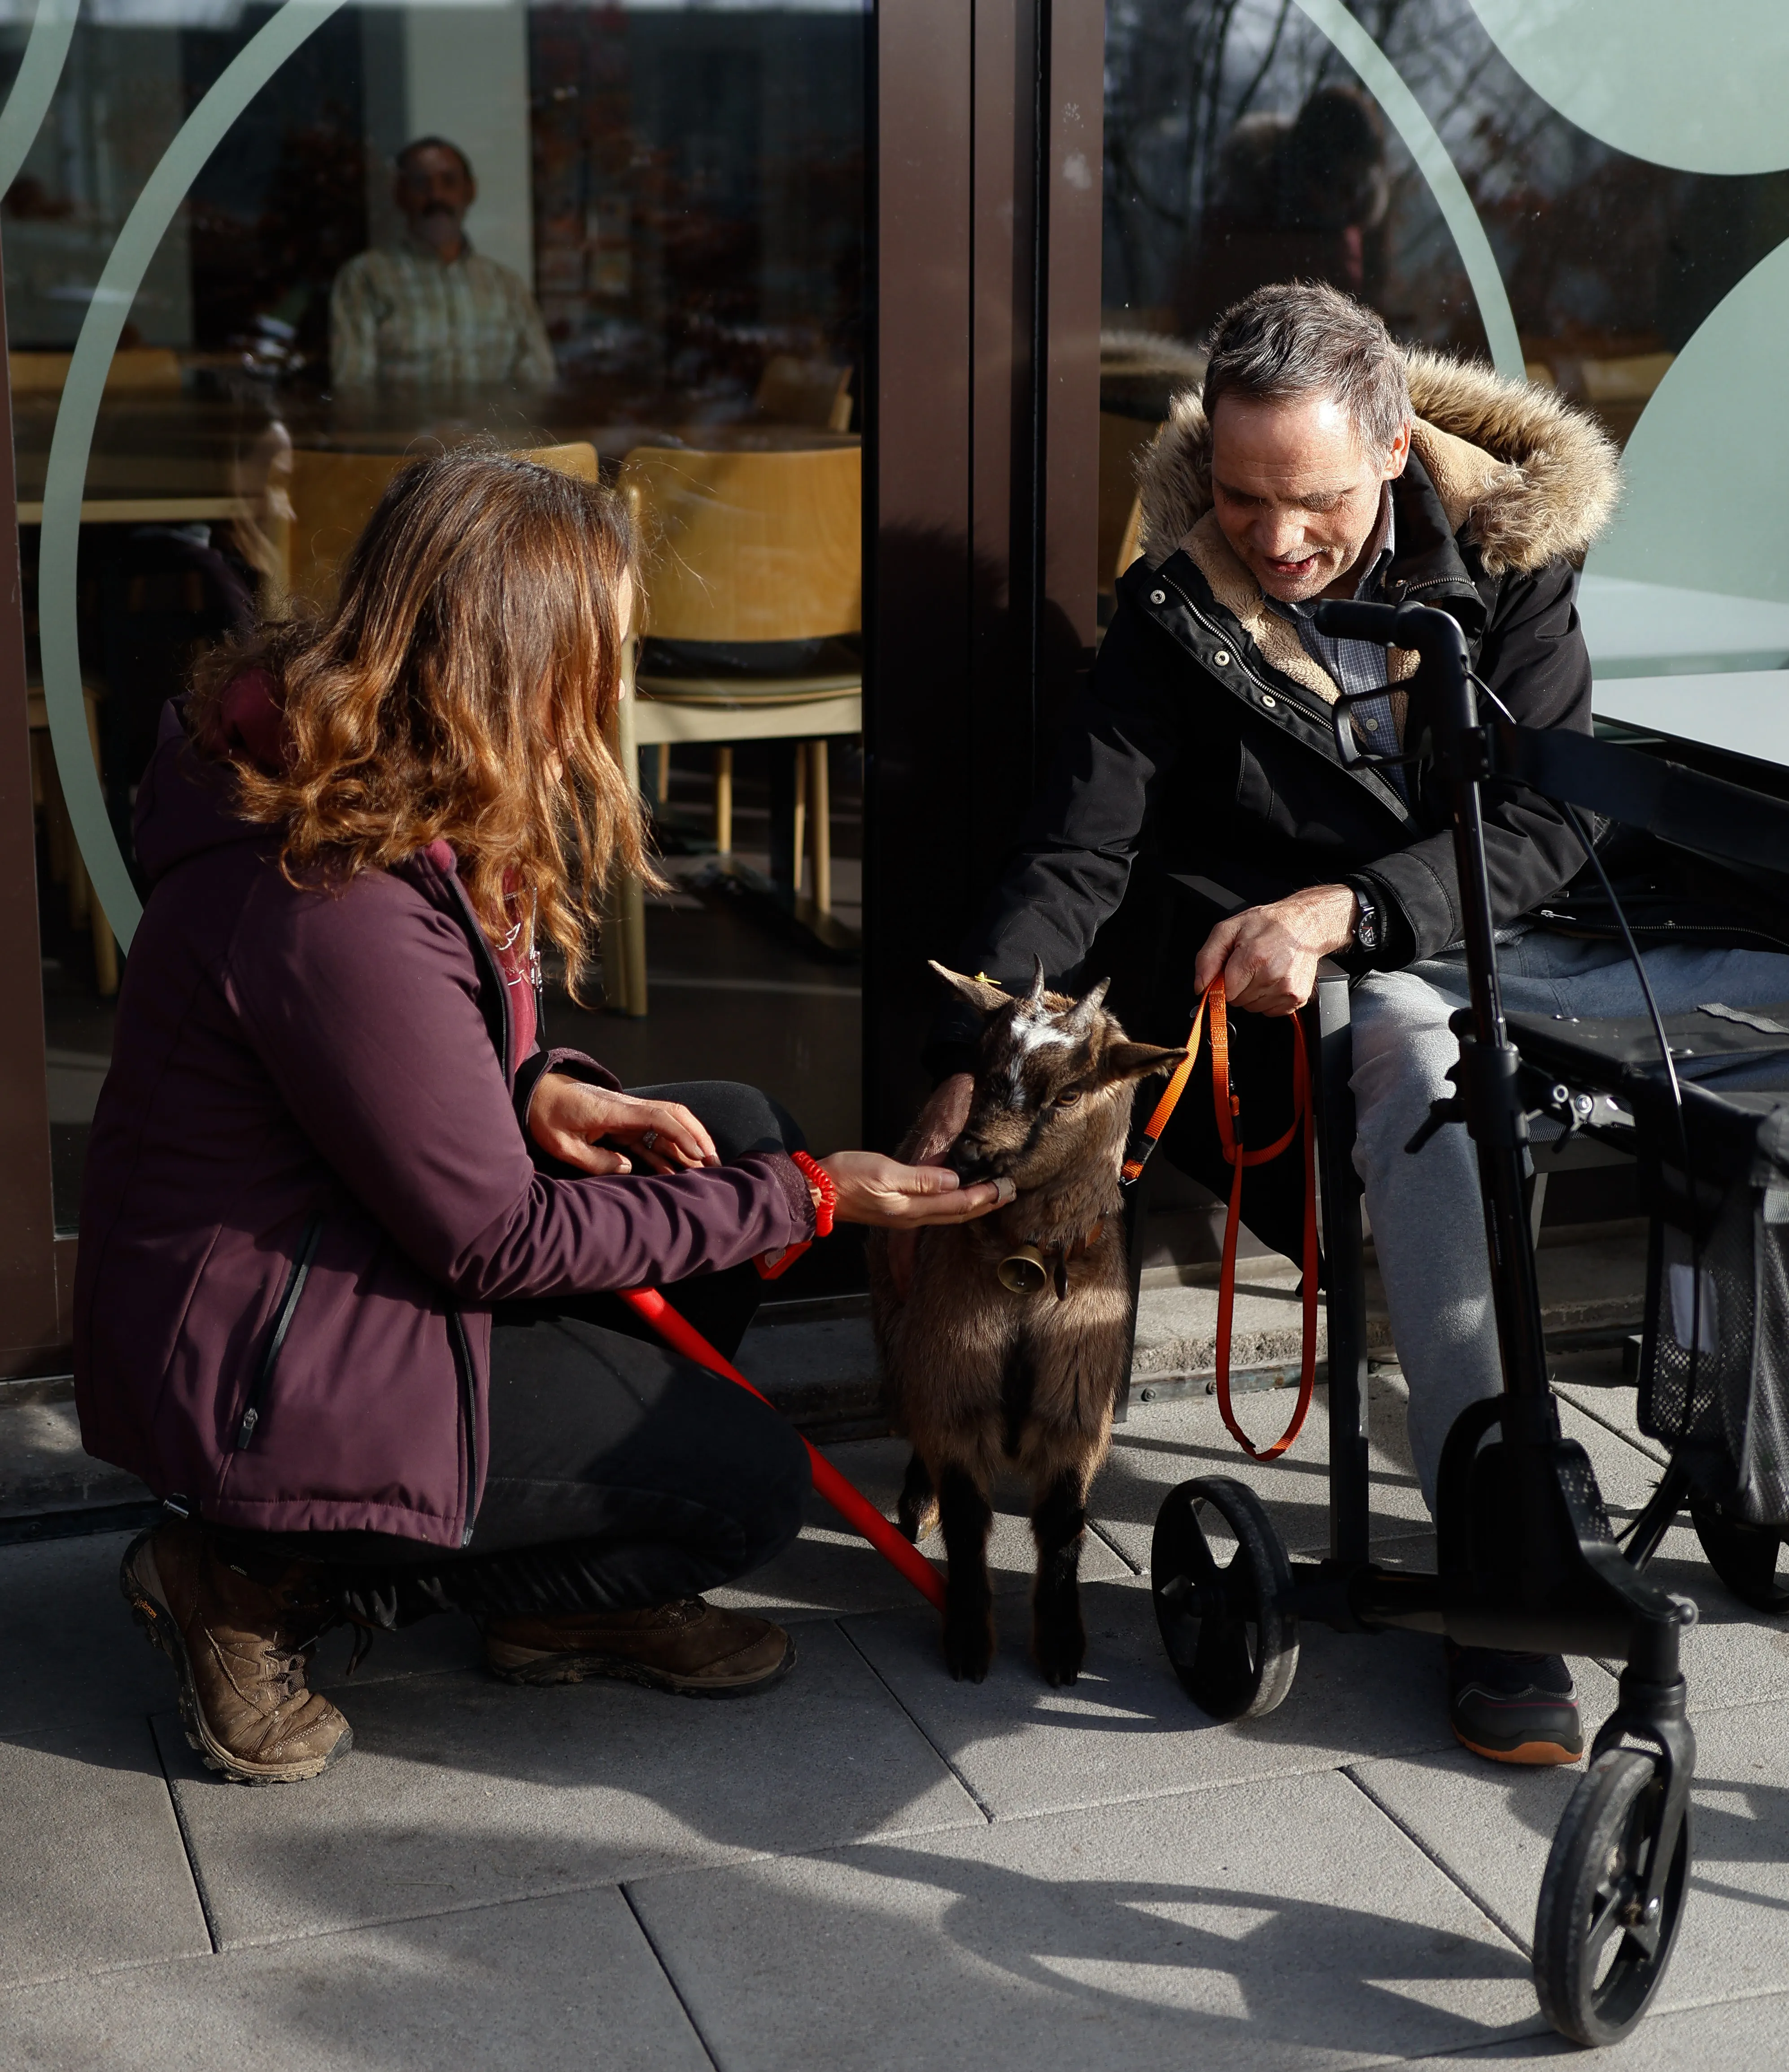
{"points": [[816, 393], [139, 370], [750, 550], [67, 868], [332, 496]]}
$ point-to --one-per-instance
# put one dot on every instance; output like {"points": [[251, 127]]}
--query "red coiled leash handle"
{"points": [[1228, 1109], [851, 1504]]}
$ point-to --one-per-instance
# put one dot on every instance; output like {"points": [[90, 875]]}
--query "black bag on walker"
{"points": [[1714, 1359]]}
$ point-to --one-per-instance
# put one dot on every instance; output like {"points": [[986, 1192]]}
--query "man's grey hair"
{"points": [[1301, 338]]}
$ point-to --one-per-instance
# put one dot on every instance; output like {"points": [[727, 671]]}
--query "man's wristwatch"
{"points": [[1369, 926]]}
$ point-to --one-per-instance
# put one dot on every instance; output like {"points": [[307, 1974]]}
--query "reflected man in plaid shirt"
{"points": [[434, 312]]}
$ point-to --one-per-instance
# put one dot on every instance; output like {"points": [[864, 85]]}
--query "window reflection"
{"points": [[585, 233], [1240, 149]]}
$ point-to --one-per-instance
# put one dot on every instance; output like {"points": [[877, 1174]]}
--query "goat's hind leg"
{"points": [[1058, 1520], [917, 1512], [966, 1516]]}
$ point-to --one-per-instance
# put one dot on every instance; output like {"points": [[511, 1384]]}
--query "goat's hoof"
{"points": [[918, 1525], [968, 1655], [1059, 1655]]}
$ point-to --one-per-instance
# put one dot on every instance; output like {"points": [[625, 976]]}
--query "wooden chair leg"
{"points": [[799, 843], [662, 788], [723, 800], [820, 784]]}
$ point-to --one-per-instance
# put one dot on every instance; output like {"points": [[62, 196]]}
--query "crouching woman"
{"points": [[349, 1234]]}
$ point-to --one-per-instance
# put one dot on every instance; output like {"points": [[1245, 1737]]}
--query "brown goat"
{"points": [[980, 1374]]}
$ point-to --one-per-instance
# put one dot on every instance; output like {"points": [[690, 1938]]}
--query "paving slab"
{"points": [[1735, 1655], [96, 1873], [1493, 1828], [1164, 1443], [43, 1466], [1279, 1925], [1127, 1730], [528, 1987], [68, 1650], [461, 1791], [830, 1570], [1735, 2036]]}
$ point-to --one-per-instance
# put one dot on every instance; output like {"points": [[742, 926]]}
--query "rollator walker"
{"points": [[1526, 1556]]}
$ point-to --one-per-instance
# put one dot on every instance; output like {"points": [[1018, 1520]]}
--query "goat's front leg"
{"points": [[966, 1515], [1058, 1519], [917, 1512]]}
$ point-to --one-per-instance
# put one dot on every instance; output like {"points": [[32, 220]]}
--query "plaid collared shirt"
{"points": [[408, 317], [1358, 665]]}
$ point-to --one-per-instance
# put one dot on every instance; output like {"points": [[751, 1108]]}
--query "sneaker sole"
{"points": [[163, 1635], [1535, 1754], [541, 1670]]}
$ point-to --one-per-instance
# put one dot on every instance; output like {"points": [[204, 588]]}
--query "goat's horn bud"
{"points": [[1080, 1020], [1034, 998]]}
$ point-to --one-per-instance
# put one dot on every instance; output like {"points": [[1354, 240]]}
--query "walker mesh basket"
{"points": [[1714, 1359]]}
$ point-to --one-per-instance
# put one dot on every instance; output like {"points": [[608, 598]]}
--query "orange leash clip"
{"points": [[1228, 1112]]}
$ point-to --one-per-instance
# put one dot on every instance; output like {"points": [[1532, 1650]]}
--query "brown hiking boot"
{"points": [[240, 1649], [687, 1646]]}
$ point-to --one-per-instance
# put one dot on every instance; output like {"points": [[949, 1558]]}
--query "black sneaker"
{"points": [[1513, 1707]]}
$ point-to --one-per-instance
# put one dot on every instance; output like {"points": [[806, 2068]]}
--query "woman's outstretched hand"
{"points": [[568, 1119], [875, 1190]]}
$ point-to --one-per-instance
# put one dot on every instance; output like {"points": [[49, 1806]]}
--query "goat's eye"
{"points": [[1069, 1099]]}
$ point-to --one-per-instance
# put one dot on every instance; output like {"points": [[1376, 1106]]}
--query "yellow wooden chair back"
{"points": [[335, 494], [750, 546], [805, 392], [152, 369]]}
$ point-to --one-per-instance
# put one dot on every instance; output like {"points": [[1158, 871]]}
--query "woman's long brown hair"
{"points": [[458, 690]]}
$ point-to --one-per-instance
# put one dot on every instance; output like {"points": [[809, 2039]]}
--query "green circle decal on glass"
{"points": [[1701, 86], [1706, 464]]}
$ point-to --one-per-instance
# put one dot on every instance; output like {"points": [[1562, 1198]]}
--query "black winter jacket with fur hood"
{"points": [[1205, 744]]}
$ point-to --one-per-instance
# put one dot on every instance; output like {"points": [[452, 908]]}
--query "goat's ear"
{"points": [[980, 993], [1137, 1061]]}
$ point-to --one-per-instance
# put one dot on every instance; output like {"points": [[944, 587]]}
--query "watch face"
{"points": [[1366, 929]]}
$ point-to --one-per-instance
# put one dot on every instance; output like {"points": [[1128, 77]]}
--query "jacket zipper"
{"points": [[1297, 696], [282, 1323], [469, 1410]]}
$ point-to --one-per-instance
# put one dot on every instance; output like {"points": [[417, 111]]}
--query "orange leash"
{"points": [[1228, 1112]]}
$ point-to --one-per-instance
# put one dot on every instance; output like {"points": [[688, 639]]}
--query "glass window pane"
{"points": [[1451, 174], [627, 238]]}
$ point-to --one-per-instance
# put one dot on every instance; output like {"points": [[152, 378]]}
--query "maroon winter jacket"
{"points": [[308, 1184]]}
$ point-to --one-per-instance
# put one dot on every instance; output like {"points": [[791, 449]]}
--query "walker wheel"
{"points": [[1744, 1556], [1220, 1580], [1598, 1959]]}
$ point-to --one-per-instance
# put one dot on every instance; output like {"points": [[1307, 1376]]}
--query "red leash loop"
{"points": [[1228, 1112], [855, 1509]]}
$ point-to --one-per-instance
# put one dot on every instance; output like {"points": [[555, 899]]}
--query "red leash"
{"points": [[855, 1509], [1227, 1110]]}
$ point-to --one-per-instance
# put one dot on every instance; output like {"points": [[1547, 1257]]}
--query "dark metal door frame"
{"points": [[982, 460]]}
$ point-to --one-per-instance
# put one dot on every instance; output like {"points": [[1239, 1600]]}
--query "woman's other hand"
{"points": [[875, 1190], [569, 1119]]}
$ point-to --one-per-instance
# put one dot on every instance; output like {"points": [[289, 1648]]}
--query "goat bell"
{"points": [[1023, 1271]]}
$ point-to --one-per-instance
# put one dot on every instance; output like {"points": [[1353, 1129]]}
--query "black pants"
{"points": [[620, 1476]]}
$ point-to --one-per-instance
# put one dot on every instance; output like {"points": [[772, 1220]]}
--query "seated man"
{"points": [[434, 312], [1206, 746]]}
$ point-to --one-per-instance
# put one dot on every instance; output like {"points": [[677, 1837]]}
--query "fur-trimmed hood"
{"points": [[1530, 478]]}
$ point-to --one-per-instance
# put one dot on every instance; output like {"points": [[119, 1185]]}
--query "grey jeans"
{"points": [[1428, 1224]]}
